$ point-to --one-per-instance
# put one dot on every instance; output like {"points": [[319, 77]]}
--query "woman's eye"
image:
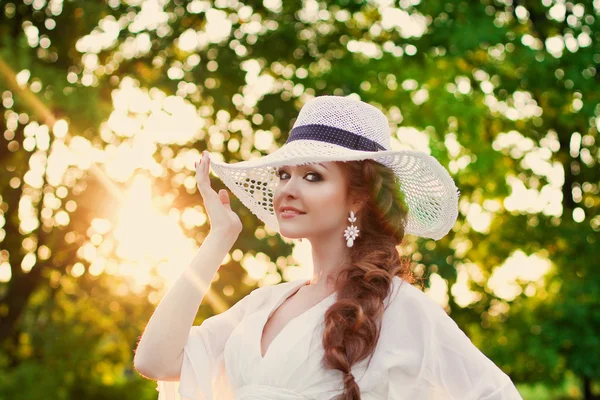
{"points": [[317, 176], [280, 174]]}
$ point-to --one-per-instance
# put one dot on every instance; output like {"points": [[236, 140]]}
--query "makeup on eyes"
{"points": [[316, 174]]}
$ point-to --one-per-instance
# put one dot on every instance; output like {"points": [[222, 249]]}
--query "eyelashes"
{"points": [[279, 172]]}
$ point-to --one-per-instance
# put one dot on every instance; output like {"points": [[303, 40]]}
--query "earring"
{"points": [[351, 232]]}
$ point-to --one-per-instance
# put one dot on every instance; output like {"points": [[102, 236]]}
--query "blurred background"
{"points": [[106, 105]]}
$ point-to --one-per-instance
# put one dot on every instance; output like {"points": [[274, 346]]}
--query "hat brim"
{"points": [[429, 191]]}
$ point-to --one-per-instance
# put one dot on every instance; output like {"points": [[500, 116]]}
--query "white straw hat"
{"points": [[337, 128]]}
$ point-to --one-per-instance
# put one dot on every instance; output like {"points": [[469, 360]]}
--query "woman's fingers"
{"points": [[202, 178], [217, 205]]}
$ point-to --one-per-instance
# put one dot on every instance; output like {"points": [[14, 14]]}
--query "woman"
{"points": [[358, 329]]}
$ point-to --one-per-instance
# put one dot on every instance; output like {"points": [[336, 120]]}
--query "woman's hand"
{"points": [[217, 205]]}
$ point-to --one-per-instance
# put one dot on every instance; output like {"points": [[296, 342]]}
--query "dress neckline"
{"points": [[293, 289]]}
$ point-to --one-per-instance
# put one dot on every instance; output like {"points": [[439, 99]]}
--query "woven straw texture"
{"points": [[429, 191]]}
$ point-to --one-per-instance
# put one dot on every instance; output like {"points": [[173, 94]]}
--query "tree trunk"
{"points": [[587, 389], [16, 299]]}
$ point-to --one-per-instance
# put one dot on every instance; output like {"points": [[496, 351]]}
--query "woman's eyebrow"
{"points": [[308, 165], [303, 166]]}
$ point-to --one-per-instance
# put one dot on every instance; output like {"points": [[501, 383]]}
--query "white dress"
{"points": [[421, 355]]}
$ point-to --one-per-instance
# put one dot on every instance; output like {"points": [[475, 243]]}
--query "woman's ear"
{"points": [[358, 204]]}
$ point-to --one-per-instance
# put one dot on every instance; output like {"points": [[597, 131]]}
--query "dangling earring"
{"points": [[351, 232]]}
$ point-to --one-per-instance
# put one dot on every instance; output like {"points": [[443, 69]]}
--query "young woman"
{"points": [[358, 329]]}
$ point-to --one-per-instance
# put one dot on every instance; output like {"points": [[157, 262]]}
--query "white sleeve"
{"points": [[202, 373], [429, 356], [461, 370]]}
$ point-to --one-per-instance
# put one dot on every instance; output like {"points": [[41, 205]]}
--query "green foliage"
{"points": [[476, 72]]}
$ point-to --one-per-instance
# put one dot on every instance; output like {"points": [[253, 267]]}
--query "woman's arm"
{"points": [[428, 353], [159, 354], [460, 369]]}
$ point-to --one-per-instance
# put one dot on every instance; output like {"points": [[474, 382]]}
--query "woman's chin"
{"points": [[290, 233]]}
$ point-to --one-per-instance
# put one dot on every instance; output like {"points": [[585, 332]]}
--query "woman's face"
{"points": [[320, 192]]}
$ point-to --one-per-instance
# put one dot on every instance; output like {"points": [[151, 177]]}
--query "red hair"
{"points": [[353, 322]]}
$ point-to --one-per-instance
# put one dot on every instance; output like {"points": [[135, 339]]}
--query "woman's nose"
{"points": [[289, 187]]}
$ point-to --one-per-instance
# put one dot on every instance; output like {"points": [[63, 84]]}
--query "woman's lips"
{"points": [[287, 214]]}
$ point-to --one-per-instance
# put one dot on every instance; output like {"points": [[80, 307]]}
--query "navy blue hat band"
{"points": [[329, 134]]}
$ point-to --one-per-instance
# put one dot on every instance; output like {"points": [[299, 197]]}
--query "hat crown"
{"points": [[348, 114]]}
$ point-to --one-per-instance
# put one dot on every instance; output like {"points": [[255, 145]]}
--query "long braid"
{"points": [[353, 322]]}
